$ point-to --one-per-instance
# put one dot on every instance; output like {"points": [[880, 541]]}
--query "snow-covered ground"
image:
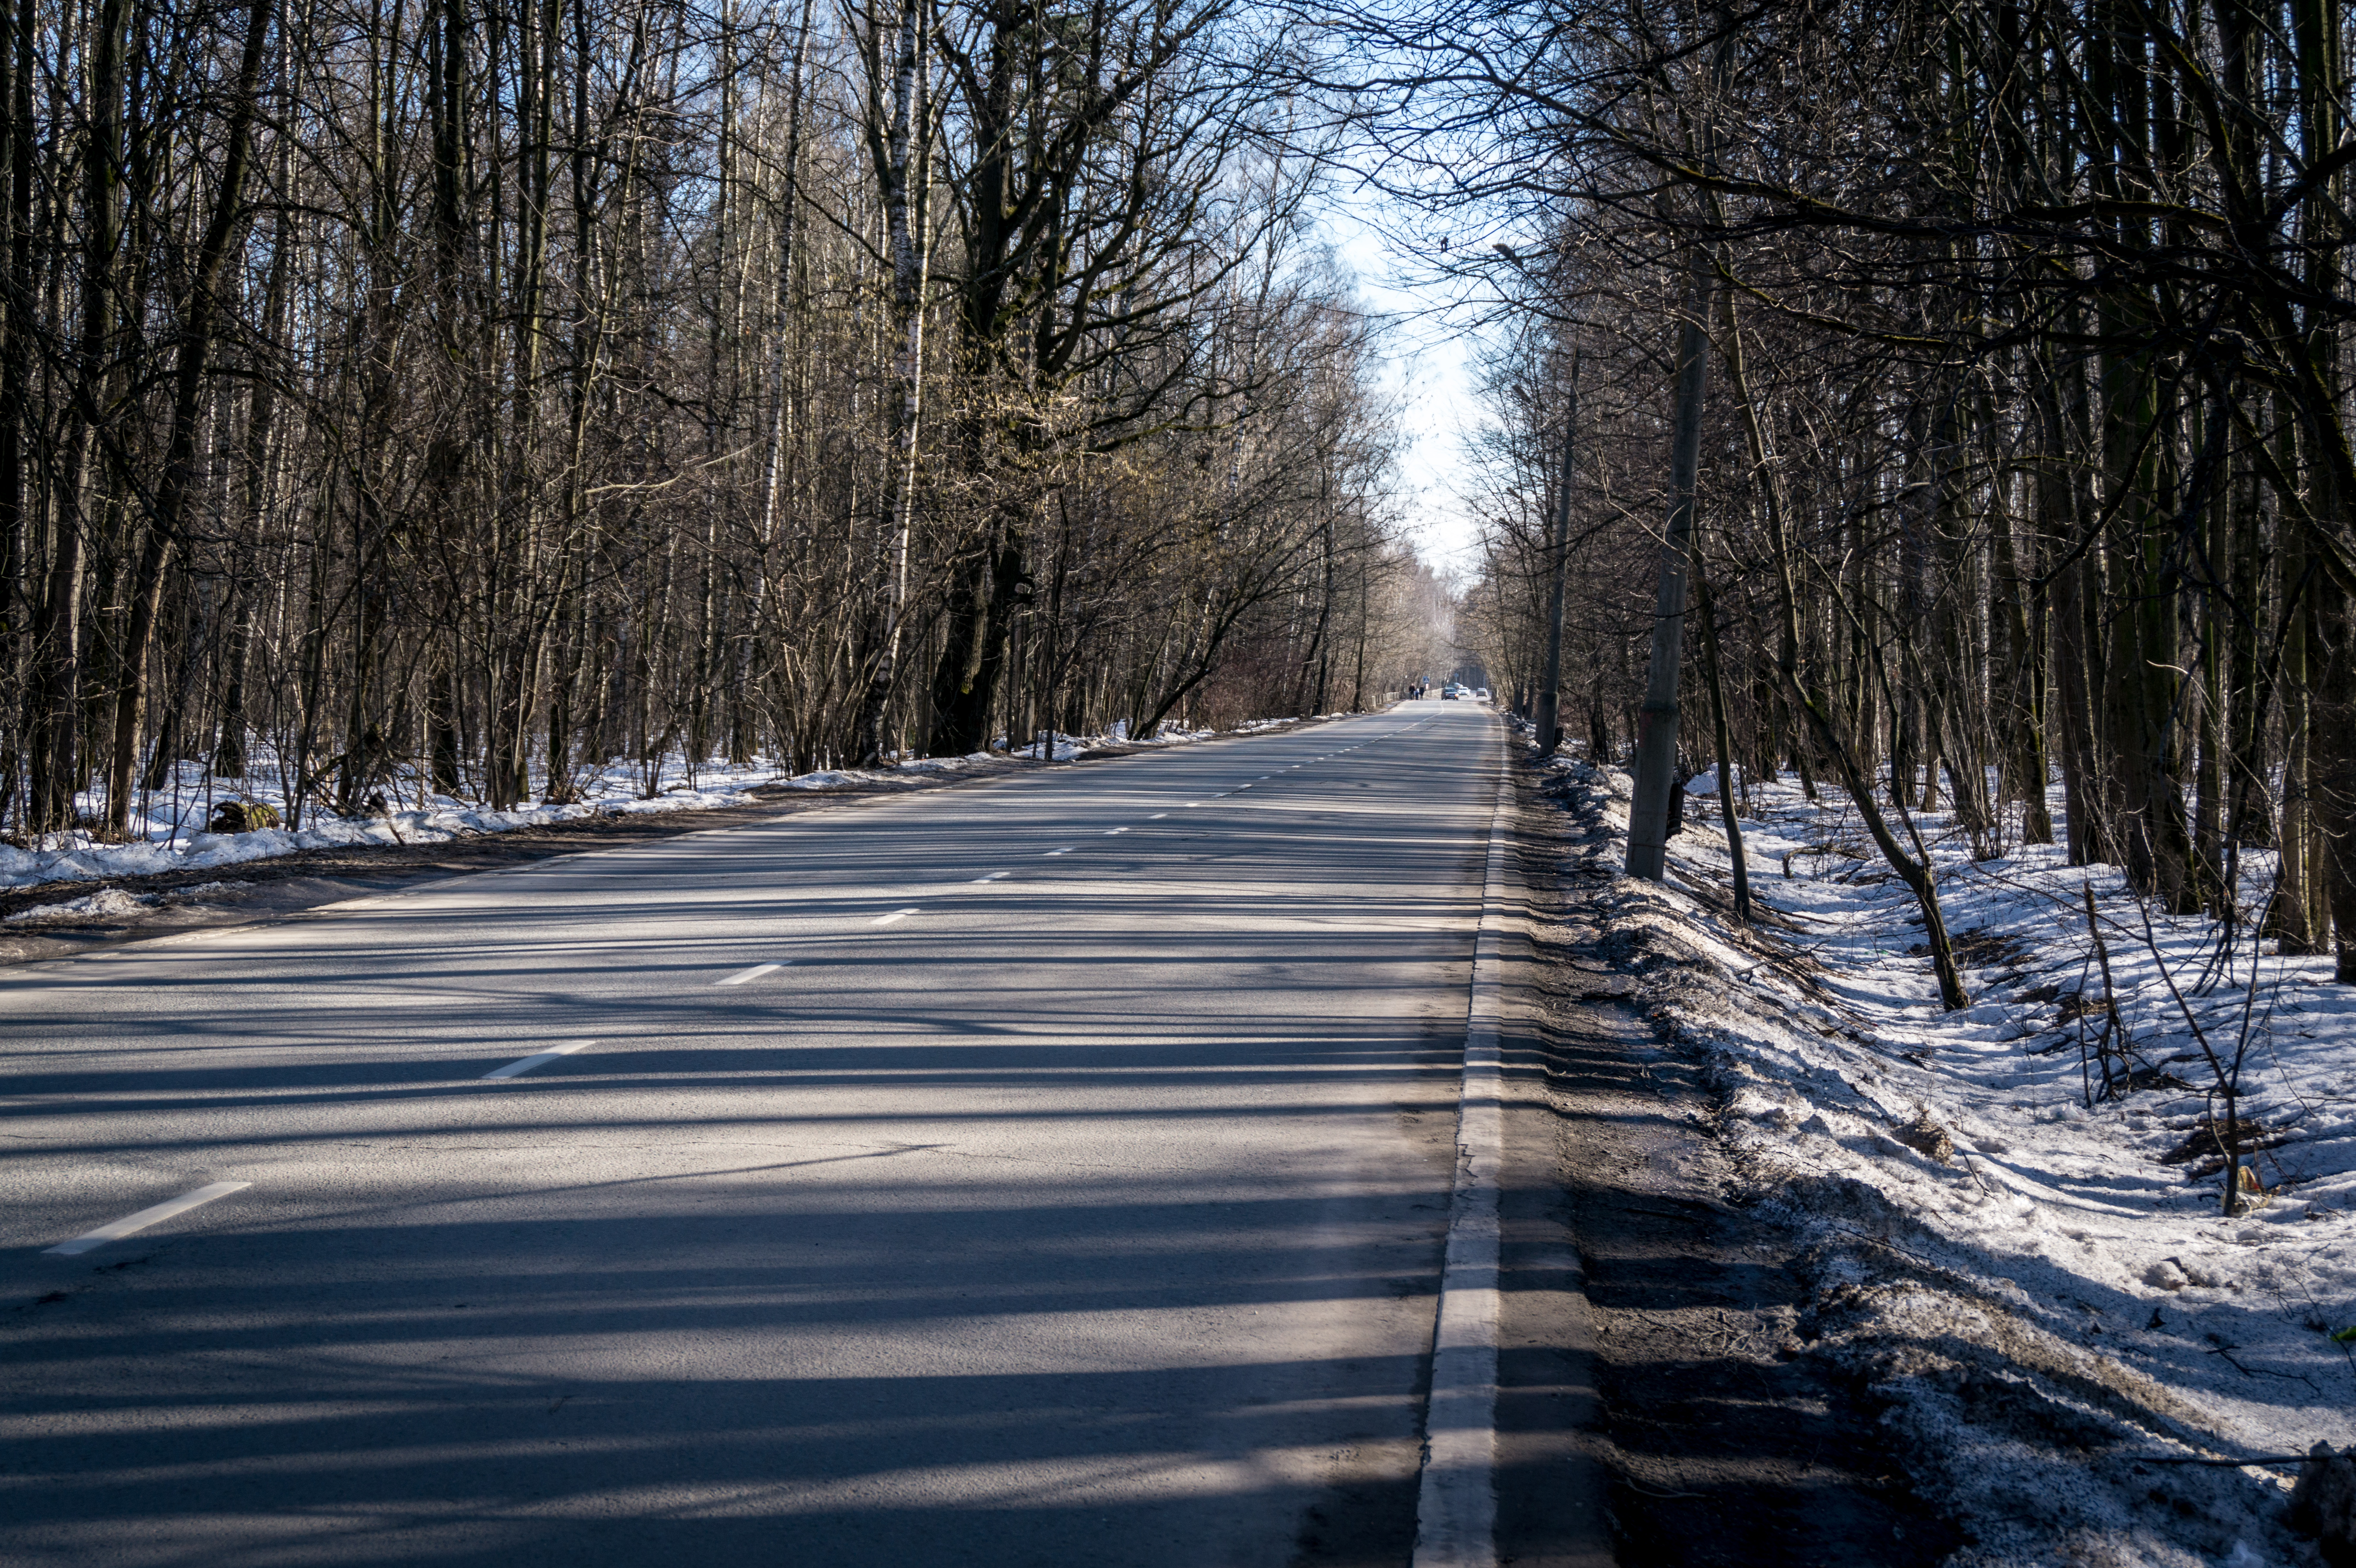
{"points": [[2038, 1281], [167, 825]]}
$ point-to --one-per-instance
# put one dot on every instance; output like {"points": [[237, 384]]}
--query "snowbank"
{"points": [[2036, 1279], [115, 901]]}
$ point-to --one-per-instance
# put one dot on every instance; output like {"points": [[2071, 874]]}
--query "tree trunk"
{"points": [[1710, 669], [903, 228], [1657, 733], [180, 476], [1549, 726]]}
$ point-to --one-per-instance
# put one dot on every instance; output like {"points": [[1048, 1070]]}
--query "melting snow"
{"points": [[2035, 1274], [106, 901]]}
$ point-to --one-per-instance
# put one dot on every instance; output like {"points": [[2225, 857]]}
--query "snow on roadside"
{"points": [[167, 831], [2035, 1290], [1067, 747], [115, 901], [106, 901]]}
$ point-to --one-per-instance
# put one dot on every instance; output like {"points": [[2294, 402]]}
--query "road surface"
{"points": [[1044, 1172]]}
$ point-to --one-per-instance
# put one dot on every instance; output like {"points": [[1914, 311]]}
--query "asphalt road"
{"points": [[1046, 1172]]}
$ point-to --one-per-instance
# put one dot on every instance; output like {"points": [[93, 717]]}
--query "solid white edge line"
{"points": [[513, 1069], [755, 973], [1456, 1503], [144, 1218]]}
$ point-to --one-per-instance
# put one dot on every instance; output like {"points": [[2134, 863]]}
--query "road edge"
{"points": [[1456, 1501], [425, 883]]}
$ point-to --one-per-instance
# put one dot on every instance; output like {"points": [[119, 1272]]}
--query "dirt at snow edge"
{"points": [[1722, 1441], [1788, 1371]]}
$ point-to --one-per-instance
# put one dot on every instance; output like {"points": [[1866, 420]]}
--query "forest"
{"points": [[1945, 403], [435, 398]]}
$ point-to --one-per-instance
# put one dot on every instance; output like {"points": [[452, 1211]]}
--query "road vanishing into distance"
{"points": [[1047, 1171]]}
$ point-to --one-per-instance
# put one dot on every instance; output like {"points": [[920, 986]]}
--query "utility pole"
{"points": [[1558, 563]]}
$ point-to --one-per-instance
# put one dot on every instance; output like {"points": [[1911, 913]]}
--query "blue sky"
{"points": [[1434, 346]]}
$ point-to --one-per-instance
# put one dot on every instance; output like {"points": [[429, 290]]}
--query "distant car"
{"points": [[1481, 694], [1448, 693]]}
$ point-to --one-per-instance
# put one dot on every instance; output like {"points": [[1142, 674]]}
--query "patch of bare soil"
{"points": [[1722, 1441]]}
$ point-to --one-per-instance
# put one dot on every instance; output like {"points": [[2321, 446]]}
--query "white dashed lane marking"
{"points": [[755, 973], [896, 914], [146, 1217], [515, 1069]]}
